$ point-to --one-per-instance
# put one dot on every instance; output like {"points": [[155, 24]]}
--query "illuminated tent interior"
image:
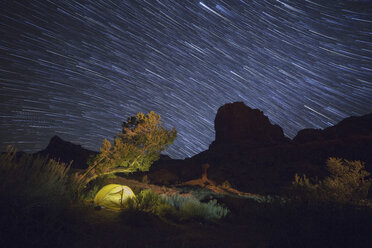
{"points": [[113, 196]]}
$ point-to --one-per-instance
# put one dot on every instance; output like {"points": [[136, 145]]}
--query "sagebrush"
{"points": [[176, 206]]}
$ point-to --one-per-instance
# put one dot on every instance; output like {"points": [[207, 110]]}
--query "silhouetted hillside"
{"points": [[250, 152], [254, 156], [65, 151]]}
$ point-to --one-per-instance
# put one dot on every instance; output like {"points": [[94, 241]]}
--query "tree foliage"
{"points": [[139, 144], [347, 183]]}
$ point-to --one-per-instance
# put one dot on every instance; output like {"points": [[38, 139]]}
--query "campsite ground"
{"points": [[250, 224], [139, 229]]}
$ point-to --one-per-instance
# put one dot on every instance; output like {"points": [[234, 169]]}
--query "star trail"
{"points": [[77, 69]]}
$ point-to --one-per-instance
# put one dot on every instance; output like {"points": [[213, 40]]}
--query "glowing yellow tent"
{"points": [[113, 196]]}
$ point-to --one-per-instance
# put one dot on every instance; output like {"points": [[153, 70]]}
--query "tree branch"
{"points": [[112, 171]]}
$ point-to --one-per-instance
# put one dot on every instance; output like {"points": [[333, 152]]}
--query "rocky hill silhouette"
{"points": [[250, 152], [254, 155], [65, 152], [236, 123]]}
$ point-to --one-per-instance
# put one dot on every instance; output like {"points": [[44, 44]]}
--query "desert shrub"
{"points": [[189, 207], [37, 180], [302, 190], [211, 210], [226, 184], [166, 210], [175, 200], [175, 206], [347, 183], [145, 201], [148, 200], [34, 193], [348, 180]]}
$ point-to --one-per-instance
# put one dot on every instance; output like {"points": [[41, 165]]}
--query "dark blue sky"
{"points": [[79, 68]]}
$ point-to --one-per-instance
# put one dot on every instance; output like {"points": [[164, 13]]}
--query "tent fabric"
{"points": [[113, 196]]}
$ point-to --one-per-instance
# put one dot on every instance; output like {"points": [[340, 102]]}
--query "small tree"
{"points": [[142, 140]]}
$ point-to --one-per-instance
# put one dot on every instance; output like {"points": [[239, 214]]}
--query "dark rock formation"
{"points": [[174, 171], [308, 135], [349, 127], [249, 152], [237, 123], [65, 152], [254, 156], [266, 161]]}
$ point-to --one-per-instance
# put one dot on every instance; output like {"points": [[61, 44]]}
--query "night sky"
{"points": [[77, 69]]}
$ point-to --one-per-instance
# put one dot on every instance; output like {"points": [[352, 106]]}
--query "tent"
{"points": [[113, 196]]}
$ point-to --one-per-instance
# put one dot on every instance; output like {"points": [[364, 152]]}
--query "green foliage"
{"points": [[195, 209], [148, 200], [132, 205], [142, 140], [175, 206], [89, 195], [347, 183], [166, 210], [189, 207]]}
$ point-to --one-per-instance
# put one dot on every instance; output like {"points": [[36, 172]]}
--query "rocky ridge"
{"points": [[251, 153]]}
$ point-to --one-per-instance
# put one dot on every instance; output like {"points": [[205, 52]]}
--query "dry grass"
{"points": [[35, 194]]}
